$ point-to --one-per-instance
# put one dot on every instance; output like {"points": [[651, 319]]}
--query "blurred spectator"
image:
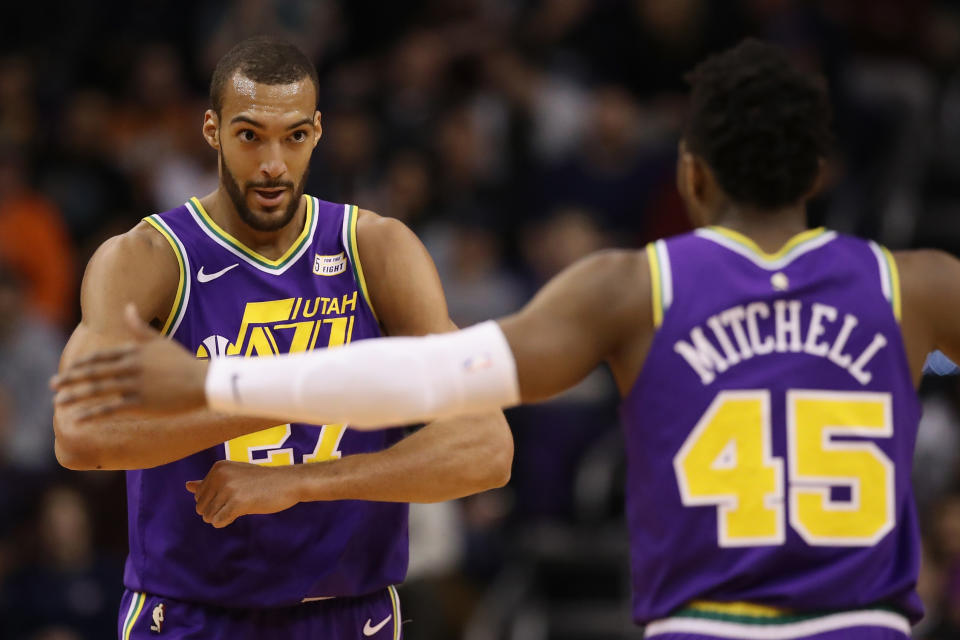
{"points": [[937, 452], [414, 87], [553, 105], [406, 192], [616, 170], [29, 354], [79, 173], [477, 286], [67, 586], [312, 25], [436, 555], [347, 158], [18, 113], [34, 242], [945, 560], [156, 132], [551, 437]]}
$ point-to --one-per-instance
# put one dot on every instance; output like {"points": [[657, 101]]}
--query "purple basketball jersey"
{"points": [[233, 302], [770, 436]]}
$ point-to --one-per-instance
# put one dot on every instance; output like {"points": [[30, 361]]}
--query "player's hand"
{"points": [[234, 489], [150, 375]]}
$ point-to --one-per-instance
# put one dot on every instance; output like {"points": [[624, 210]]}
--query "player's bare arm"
{"points": [[597, 310], [930, 286], [137, 268], [443, 460]]}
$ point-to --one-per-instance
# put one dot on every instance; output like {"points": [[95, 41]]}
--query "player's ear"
{"points": [[317, 128], [693, 183], [821, 180], [211, 128]]}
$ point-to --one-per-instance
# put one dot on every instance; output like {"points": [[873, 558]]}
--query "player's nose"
{"points": [[272, 164]]}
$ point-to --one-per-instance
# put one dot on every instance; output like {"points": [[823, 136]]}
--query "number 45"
{"points": [[726, 462]]}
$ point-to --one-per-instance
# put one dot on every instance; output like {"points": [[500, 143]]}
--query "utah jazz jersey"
{"points": [[770, 436], [233, 302]]}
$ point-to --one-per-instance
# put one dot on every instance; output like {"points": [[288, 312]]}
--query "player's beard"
{"points": [[239, 198]]}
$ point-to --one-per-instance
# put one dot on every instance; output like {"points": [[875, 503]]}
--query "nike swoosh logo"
{"points": [[369, 631], [207, 277]]}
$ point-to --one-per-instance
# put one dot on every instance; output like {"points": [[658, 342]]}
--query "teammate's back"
{"points": [[776, 416]]}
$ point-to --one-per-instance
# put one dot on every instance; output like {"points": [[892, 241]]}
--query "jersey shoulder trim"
{"points": [[797, 246], [179, 307], [350, 215], [245, 253], [889, 276], [661, 280]]}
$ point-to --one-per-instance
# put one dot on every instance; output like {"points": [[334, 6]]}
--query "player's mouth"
{"points": [[269, 198]]}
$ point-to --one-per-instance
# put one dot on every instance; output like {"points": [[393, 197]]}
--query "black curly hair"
{"points": [[761, 124], [262, 59]]}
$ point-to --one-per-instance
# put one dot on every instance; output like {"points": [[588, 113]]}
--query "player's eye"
{"points": [[247, 135], [299, 136]]}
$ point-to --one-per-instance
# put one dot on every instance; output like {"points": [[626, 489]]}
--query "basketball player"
{"points": [[767, 374], [259, 268]]}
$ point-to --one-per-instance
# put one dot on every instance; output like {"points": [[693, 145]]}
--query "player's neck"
{"points": [[769, 229], [270, 244]]}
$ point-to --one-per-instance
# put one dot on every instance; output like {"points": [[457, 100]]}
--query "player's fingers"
{"points": [[74, 374], [206, 495], [82, 391], [108, 354], [214, 507], [193, 486], [225, 515], [106, 407]]}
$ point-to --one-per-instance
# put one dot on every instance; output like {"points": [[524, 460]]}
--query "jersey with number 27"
{"points": [[233, 302], [771, 431]]}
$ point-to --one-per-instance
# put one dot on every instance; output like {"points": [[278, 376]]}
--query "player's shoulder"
{"points": [[611, 264], [926, 273], [386, 241], [137, 264], [920, 260], [142, 246], [375, 229], [614, 282]]}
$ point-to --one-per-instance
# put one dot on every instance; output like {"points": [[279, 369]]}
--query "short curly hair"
{"points": [[761, 124], [263, 59]]}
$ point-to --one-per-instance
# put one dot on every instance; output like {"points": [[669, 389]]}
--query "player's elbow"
{"points": [[73, 446]]}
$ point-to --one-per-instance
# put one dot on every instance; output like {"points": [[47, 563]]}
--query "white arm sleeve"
{"points": [[373, 383]]}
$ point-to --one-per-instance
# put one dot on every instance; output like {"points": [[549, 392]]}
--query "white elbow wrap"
{"points": [[373, 383]]}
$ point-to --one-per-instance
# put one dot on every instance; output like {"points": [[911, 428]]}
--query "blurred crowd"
{"points": [[515, 136]]}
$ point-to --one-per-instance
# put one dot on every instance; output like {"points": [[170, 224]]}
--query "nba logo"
{"points": [[213, 347], [157, 616]]}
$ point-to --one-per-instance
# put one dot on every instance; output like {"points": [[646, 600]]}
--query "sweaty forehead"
{"points": [[243, 95]]}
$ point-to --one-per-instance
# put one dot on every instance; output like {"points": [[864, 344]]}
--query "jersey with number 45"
{"points": [[233, 302], [771, 431]]}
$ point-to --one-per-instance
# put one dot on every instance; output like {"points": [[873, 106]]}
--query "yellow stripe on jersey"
{"points": [[355, 258], [177, 307], [747, 609], [792, 243], [250, 254], [655, 285], [894, 281]]}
